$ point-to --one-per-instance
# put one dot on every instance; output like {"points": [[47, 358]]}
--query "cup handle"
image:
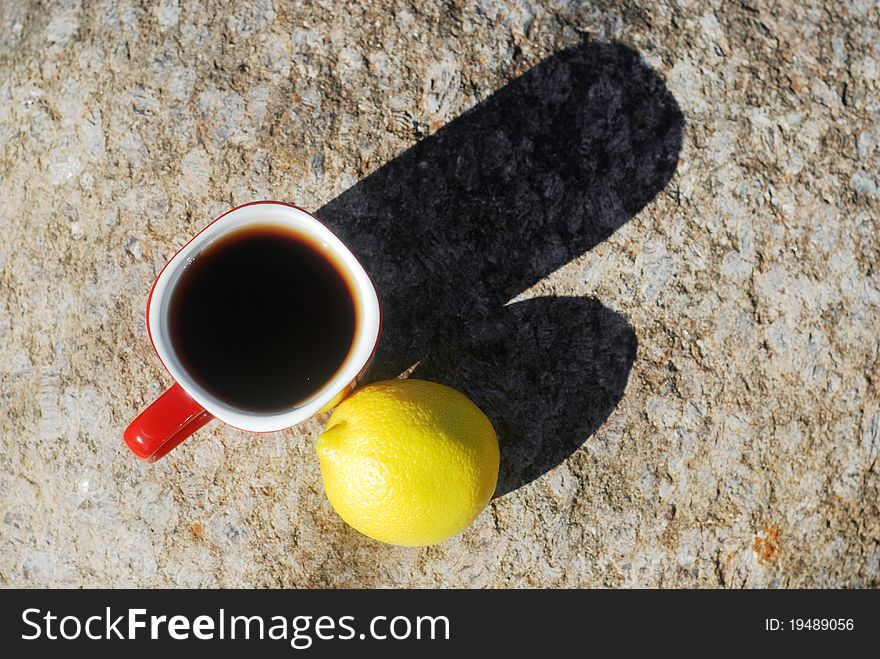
{"points": [[169, 419]]}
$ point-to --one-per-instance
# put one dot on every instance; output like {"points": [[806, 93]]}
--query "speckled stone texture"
{"points": [[642, 236]]}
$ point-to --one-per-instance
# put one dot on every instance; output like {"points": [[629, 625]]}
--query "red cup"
{"points": [[187, 406]]}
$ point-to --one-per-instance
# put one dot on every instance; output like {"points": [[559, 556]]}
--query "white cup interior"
{"points": [[278, 214]]}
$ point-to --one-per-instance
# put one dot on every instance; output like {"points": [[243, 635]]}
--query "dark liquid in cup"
{"points": [[263, 318]]}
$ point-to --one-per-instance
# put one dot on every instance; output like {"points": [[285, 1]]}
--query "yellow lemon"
{"points": [[408, 462]]}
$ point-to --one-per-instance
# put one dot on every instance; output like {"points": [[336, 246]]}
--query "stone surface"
{"points": [[643, 238]]}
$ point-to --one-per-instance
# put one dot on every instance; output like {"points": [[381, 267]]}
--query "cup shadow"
{"points": [[461, 223]]}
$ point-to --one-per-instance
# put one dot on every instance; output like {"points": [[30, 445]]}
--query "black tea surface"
{"points": [[263, 318]]}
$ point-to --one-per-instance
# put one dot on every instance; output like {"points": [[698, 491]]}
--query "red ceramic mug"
{"points": [[187, 406]]}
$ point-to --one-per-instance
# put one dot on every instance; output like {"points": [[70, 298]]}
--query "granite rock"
{"points": [[643, 236]]}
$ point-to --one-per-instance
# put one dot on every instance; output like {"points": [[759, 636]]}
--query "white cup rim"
{"points": [[272, 213]]}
